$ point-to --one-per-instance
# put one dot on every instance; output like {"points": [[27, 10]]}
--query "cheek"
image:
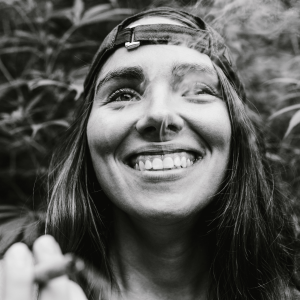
{"points": [[105, 131], [211, 124]]}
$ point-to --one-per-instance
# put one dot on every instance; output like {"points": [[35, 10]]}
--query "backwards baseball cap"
{"points": [[194, 33]]}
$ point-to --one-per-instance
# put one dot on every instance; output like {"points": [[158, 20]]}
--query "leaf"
{"points": [[78, 8], [33, 103], [95, 10], [9, 2], [284, 110], [295, 120], [79, 74], [26, 35], [11, 50], [283, 80], [84, 44], [274, 157], [45, 82], [61, 13], [114, 3], [36, 127], [78, 88], [9, 39], [290, 96], [111, 15]]}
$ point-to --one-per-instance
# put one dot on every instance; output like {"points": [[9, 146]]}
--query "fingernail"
{"points": [[46, 248], [47, 245], [18, 255]]}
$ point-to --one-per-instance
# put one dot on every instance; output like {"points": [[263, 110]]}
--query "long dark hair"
{"points": [[249, 221]]}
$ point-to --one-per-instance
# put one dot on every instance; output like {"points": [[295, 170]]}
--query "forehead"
{"points": [[157, 60]]}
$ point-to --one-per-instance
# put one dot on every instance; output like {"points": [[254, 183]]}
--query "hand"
{"points": [[20, 273]]}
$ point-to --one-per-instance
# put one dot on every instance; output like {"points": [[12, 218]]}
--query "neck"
{"points": [[159, 260]]}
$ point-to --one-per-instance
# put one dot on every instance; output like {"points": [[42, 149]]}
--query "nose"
{"points": [[160, 121]]}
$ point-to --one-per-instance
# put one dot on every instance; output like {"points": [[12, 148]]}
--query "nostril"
{"points": [[172, 127], [150, 129], [157, 127], [153, 129]]}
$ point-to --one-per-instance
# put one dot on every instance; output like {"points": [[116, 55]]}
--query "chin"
{"points": [[170, 209]]}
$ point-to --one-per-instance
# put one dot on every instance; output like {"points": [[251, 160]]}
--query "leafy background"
{"points": [[46, 47]]}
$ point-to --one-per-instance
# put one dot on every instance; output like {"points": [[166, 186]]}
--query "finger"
{"points": [[65, 265], [18, 273], [46, 251]]}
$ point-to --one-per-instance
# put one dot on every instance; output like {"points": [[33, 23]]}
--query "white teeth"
{"points": [[177, 162], [168, 163], [183, 162], [142, 166], [188, 162], [164, 162], [157, 164], [148, 165]]}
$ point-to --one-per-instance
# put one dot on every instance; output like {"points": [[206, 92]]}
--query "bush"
{"points": [[47, 46]]}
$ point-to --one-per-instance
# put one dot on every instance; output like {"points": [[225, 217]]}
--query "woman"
{"points": [[162, 184]]}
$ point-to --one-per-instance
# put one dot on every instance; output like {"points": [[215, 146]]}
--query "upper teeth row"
{"points": [[166, 163]]}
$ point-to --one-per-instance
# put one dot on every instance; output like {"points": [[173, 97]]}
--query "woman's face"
{"points": [[159, 132]]}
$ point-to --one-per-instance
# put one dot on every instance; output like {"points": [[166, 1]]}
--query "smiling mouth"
{"points": [[163, 161]]}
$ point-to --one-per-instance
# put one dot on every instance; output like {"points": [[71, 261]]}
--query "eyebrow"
{"points": [[131, 73], [179, 69]]}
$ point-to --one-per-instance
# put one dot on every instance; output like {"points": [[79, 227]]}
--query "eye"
{"points": [[125, 94], [199, 89]]}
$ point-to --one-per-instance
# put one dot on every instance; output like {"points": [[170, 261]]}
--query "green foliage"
{"points": [[47, 46]]}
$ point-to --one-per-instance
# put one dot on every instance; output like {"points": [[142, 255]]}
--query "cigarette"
{"points": [[68, 264]]}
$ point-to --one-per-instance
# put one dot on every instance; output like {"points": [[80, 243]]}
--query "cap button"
{"points": [[132, 44]]}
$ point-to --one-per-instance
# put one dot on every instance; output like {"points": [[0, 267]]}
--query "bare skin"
{"points": [[19, 271], [155, 252], [155, 261]]}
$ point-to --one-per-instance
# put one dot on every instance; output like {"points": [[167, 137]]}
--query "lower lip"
{"points": [[163, 175]]}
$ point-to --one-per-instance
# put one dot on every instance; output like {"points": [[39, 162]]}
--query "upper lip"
{"points": [[161, 149]]}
